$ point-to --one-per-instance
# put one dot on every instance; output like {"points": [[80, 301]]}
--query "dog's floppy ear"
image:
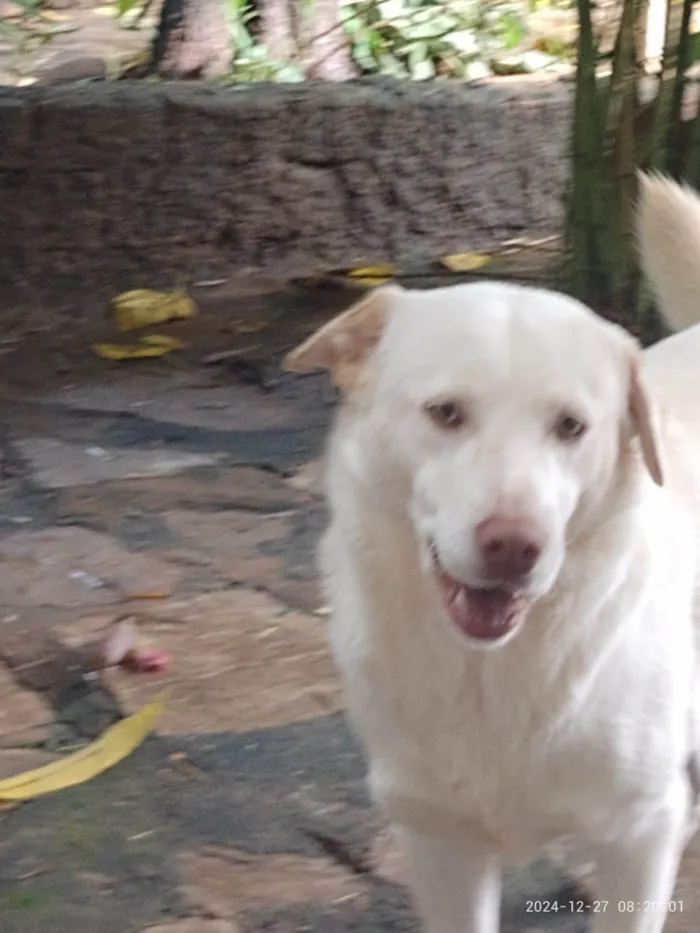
{"points": [[343, 345], [642, 419]]}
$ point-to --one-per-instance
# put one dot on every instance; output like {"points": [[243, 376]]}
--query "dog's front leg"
{"points": [[455, 880], [637, 874]]}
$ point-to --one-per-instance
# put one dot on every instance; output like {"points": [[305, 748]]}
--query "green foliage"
{"points": [[30, 7], [249, 58], [412, 39], [614, 135], [126, 6], [423, 39]]}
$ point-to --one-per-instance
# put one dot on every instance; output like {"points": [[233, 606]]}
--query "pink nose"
{"points": [[509, 547]]}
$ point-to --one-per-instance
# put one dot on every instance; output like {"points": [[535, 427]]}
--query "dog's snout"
{"points": [[509, 548]]}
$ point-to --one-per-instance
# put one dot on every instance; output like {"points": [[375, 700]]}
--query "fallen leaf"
{"points": [[115, 744], [163, 341], [373, 275], [150, 346], [144, 307], [465, 262], [53, 16], [250, 327]]}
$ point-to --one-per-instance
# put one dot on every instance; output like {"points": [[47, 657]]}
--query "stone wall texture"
{"points": [[131, 183]]}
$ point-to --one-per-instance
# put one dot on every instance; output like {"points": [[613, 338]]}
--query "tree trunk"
{"points": [[279, 29], [192, 40], [326, 52]]}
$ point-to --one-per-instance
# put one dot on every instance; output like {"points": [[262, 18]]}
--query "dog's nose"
{"points": [[509, 547]]}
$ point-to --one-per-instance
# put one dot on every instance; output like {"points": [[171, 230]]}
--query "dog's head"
{"points": [[495, 417]]}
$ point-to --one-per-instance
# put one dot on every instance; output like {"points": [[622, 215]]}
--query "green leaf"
{"points": [[363, 54], [352, 24], [257, 52], [423, 71], [476, 71], [694, 47], [463, 41], [290, 72], [513, 29], [511, 65], [428, 26], [392, 9], [123, 6], [536, 61], [241, 38], [419, 63], [391, 67]]}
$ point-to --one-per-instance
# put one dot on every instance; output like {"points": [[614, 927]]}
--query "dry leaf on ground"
{"points": [[465, 262], [114, 745], [151, 346], [54, 16], [373, 275], [144, 307]]}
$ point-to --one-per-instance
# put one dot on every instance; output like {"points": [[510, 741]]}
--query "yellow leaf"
{"points": [[385, 269], [150, 346], [368, 280], [53, 16], [465, 262], [144, 307], [115, 744], [163, 342], [373, 275]]}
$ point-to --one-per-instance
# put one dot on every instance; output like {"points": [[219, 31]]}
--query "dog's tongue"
{"points": [[483, 614]]}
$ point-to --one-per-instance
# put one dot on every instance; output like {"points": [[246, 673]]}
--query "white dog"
{"points": [[512, 566]]}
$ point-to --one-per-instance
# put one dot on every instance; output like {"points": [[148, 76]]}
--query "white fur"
{"points": [[582, 724]]}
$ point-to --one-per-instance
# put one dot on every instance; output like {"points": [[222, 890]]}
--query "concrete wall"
{"points": [[121, 184]]}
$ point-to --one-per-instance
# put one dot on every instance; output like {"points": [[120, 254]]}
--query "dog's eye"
{"points": [[568, 428], [447, 415]]}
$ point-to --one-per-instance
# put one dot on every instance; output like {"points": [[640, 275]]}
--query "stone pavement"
{"points": [[184, 494]]}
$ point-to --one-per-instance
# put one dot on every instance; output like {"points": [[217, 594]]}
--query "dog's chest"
{"points": [[550, 733], [474, 735]]}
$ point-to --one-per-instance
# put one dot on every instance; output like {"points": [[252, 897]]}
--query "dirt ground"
{"points": [[192, 479], [67, 41]]}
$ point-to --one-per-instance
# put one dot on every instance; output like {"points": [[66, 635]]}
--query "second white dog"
{"points": [[512, 566]]}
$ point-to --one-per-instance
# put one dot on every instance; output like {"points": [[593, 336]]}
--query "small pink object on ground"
{"points": [[145, 662]]}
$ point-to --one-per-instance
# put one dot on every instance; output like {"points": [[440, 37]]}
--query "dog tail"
{"points": [[668, 229]]}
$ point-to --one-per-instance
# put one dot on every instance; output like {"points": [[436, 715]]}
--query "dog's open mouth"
{"points": [[482, 613]]}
